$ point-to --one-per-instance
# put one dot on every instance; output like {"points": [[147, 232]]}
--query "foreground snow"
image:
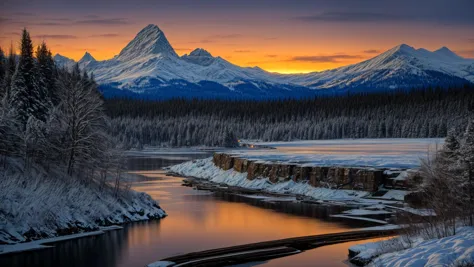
{"points": [[205, 169], [446, 251], [36, 207]]}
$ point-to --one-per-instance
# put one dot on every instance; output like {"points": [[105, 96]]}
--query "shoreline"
{"points": [[355, 210], [68, 207], [203, 174], [48, 242]]}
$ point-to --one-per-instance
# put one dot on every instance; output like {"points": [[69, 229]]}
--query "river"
{"points": [[197, 220]]}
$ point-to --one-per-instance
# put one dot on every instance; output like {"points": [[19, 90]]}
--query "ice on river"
{"points": [[403, 153]]}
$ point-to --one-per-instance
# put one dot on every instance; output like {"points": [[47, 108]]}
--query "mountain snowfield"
{"points": [[149, 67]]}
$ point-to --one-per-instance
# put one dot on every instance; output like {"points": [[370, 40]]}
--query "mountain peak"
{"points": [[150, 40], [446, 52], [401, 50], [59, 56], [87, 58], [62, 61], [199, 56], [199, 52], [404, 48]]}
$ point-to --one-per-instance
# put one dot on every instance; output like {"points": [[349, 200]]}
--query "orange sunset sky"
{"points": [[280, 36]]}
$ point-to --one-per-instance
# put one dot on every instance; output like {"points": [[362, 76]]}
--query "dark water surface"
{"points": [[197, 220]]}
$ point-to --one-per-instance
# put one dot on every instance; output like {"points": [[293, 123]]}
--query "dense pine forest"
{"points": [[179, 122]]}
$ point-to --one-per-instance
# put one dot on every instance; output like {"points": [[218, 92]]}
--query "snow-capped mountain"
{"points": [[149, 67], [63, 62], [86, 60], [199, 56], [400, 67]]}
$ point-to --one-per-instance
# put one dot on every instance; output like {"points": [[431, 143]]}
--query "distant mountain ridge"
{"points": [[148, 67]]}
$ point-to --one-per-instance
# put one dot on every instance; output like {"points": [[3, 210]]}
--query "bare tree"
{"points": [[82, 117]]}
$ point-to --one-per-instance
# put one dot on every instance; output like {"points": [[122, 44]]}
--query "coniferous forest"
{"points": [[180, 122]]}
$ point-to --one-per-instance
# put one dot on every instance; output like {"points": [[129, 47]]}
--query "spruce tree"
{"points": [[467, 150], [46, 67], [451, 142], [25, 91]]}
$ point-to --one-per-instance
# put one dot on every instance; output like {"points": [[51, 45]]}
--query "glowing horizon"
{"points": [[277, 36]]}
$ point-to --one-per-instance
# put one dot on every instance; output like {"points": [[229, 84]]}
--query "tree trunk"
{"points": [[70, 165]]}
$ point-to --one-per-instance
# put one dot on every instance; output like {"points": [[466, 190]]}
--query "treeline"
{"points": [[51, 119], [180, 122]]}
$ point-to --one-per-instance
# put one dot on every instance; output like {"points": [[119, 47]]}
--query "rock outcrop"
{"points": [[366, 179]]}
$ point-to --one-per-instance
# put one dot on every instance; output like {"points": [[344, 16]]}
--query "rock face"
{"points": [[367, 179], [301, 173], [241, 165], [279, 172], [223, 161]]}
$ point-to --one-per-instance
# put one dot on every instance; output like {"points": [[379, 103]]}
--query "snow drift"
{"points": [[447, 251]]}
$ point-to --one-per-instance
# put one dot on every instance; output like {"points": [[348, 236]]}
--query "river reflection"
{"points": [[197, 220]]}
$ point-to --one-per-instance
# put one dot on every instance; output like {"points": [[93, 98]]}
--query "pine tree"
{"points": [[467, 151], [229, 139], [47, 80], [467, 148], [25, 91], [451, 142]]}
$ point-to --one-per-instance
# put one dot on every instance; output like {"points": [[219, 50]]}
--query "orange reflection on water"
{"points": [[237, 222], [199, 220]]}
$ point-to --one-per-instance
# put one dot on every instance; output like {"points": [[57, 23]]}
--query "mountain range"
{"points": [[149, 67]]}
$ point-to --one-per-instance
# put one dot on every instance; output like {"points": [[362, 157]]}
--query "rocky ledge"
{"points": [[366, 179]]}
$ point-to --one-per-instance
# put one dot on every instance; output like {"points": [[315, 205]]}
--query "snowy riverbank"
{"points": [[453, 251], [205, 169], [36, 207]]}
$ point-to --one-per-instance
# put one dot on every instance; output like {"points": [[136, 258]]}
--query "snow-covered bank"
{"points": [[448, 251], [36, 207], [205, 169]]}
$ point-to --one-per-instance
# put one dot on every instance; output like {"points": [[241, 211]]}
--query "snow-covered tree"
{"points": [[47, 74], [26, 95], [229, 139], [83, 119], [467, 157], [9, 132]]}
